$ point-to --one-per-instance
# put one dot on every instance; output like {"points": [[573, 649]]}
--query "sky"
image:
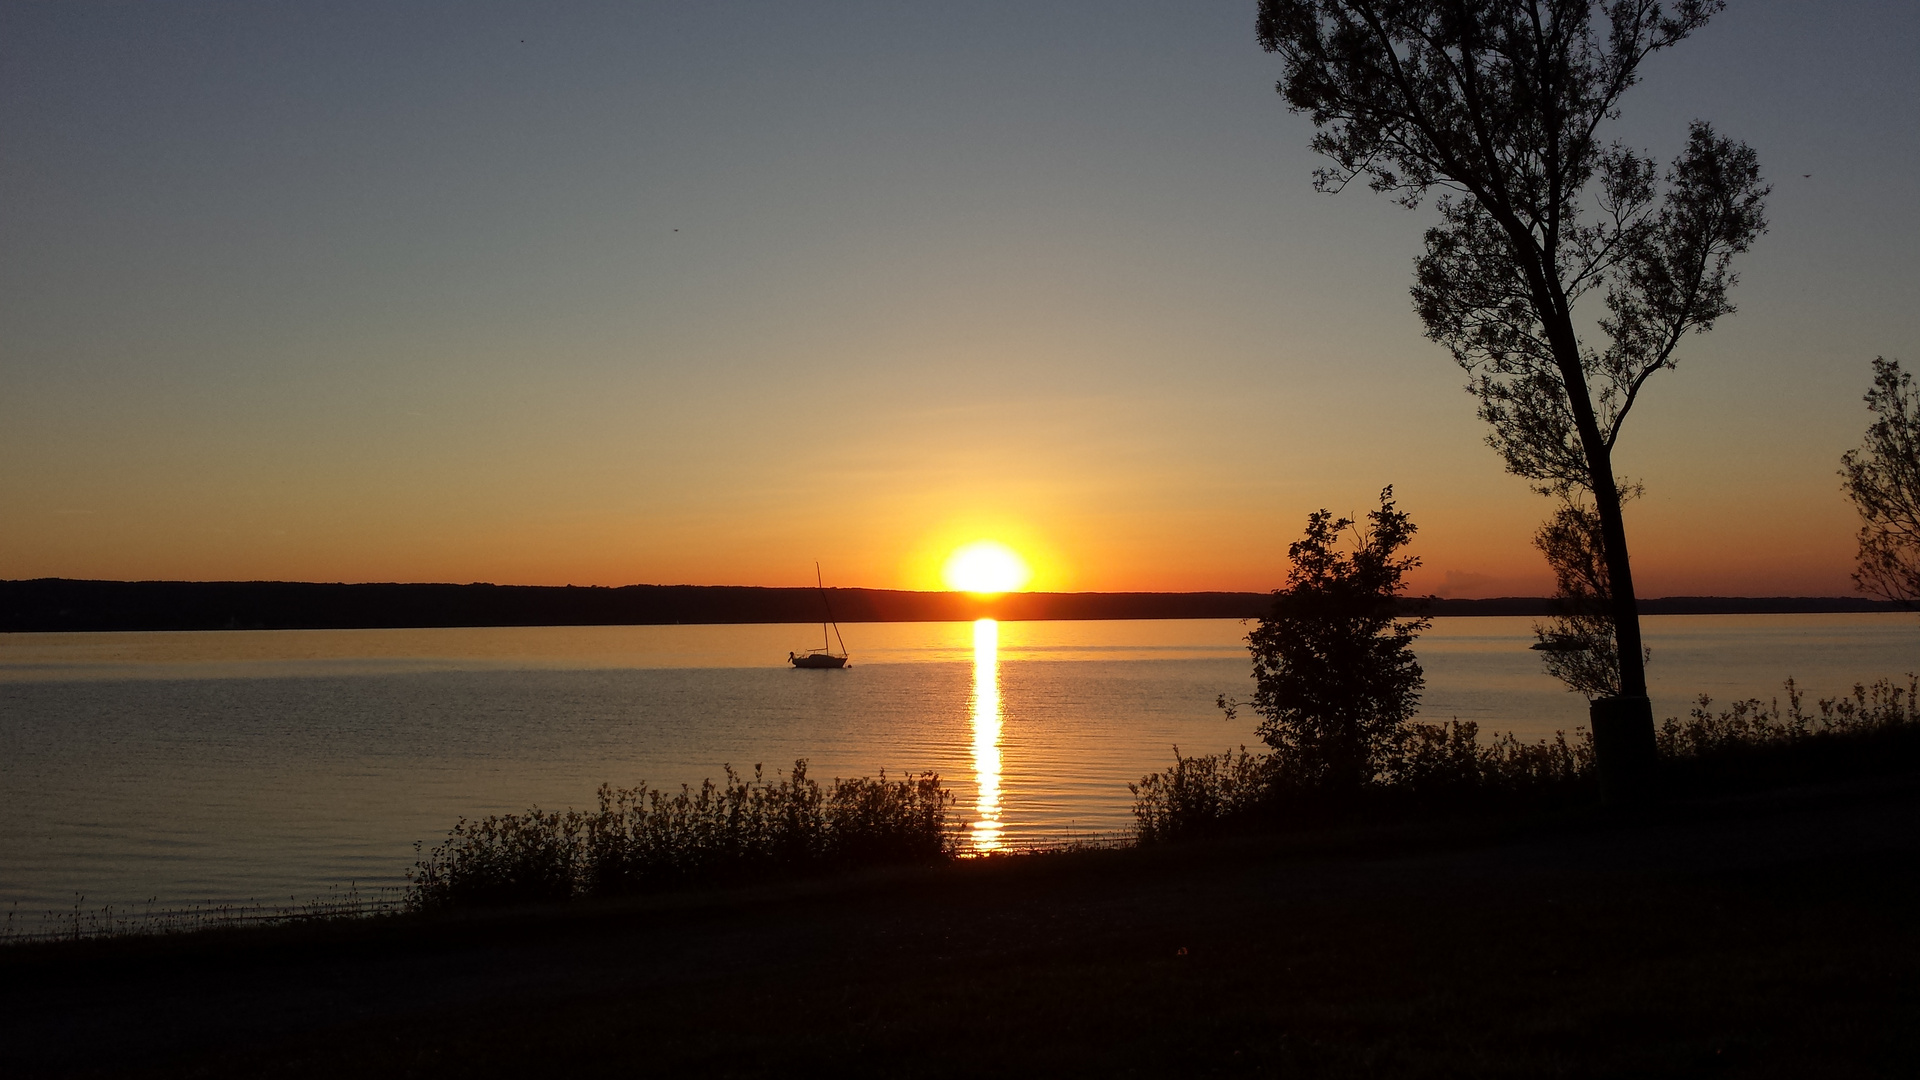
{"points": [[597, 294]]}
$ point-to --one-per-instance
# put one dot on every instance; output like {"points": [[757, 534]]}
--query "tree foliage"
{"points": [[1333, 665], [1499, 104], [1660, 265], [1882, 478]]}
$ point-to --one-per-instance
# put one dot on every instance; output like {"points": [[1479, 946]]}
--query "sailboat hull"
{"points": [[818, 660]]}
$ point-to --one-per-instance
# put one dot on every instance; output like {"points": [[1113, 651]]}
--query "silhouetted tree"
{"points": [[1334, 671], [1499, 103], [1883, 480], [1579, 640]]}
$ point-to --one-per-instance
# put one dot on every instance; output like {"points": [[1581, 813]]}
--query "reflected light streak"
{"points": [[986, 734]]}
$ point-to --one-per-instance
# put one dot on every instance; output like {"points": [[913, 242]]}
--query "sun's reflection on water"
{"points": [[986, 734]]}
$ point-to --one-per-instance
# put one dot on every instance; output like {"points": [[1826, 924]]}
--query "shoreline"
{"points": [[57, 605]]}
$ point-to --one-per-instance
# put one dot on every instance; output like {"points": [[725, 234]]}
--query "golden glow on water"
{"points": [[343, 745], [986, 734]]}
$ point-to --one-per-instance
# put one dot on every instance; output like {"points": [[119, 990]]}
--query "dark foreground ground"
{"points": [[1774, 935]]}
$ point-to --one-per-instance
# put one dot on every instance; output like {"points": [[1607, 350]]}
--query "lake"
{"points": [[272, 766]]}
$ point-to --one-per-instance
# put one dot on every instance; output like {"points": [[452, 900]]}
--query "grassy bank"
{"points": [[1751, 935]]}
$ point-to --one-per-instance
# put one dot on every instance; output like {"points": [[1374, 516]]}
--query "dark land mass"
{"points": [[61, 604], [1765, 934]]}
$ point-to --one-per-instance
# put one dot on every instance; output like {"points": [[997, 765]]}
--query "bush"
{"points": [[641, 839], [506, 859], [1447, 767], [1449, 761], [1754, 723], [1437, 766], [1200, 796]]}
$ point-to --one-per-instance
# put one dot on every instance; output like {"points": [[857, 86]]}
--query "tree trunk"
{"points": [[1623, 743], [1624, 750], [1626, 609], [1622, 726], [1558, 324]]}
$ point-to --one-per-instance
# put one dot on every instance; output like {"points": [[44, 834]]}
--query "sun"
{"points": [[985, 566]]}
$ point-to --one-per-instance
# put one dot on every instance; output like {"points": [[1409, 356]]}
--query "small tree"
{"points": [[1579, 641], [1883, 480], [1499, 104], [1334, 671]]}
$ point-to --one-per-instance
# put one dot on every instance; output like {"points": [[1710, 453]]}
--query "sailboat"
{"points": [[824, 656]]}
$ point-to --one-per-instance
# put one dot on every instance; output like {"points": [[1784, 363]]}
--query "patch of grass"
{"points": [[641, 839], [83, 923]]}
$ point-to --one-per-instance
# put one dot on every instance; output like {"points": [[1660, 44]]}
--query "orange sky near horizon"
{"points": [[700, 295], [876, 524]]}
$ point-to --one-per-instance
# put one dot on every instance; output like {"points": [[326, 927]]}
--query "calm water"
{"points": [[272, 765]]}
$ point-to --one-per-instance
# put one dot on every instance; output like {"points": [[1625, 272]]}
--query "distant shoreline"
{"points": [[65, 604]]}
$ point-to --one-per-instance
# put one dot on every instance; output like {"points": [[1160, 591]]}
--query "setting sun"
{"points": [[986, 566]]}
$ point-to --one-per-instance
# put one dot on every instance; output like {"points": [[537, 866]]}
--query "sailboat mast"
{"points": [[826, 613], [827, 610]]}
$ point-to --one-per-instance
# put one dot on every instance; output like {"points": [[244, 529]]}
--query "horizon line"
{"points": [[1854, 598]]}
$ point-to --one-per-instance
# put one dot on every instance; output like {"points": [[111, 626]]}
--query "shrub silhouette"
{"points": [[1201, 796], [641, 839], [1753, 723], [1447, 767], [1883, 480], [1438, 766], [1333, 667]]}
